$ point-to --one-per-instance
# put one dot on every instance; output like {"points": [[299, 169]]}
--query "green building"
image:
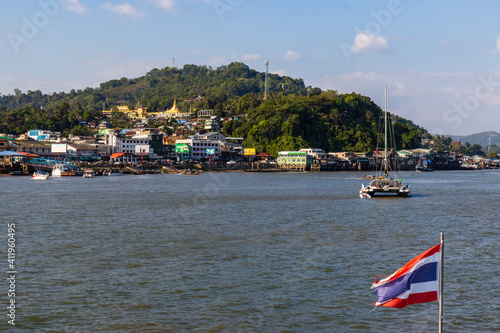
{"points": [[295, 160]]}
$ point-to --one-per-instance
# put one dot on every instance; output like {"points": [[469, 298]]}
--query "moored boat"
{"points": [[424, 167], [18, 173], [62, 170], [41, 175], [88, 173], [420, 168], [191, 172]]}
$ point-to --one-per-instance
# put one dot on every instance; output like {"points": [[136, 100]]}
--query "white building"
{"points": [[42, 135], [213, 123], [144, 144], [205, 145], [315, 152], [73, 149], [120, 143]]}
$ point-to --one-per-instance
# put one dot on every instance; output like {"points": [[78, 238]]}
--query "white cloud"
{"points": [[364, 41], [125, 9], [292, 55], [498, 44], [250, 57], [167, 5], [75, 6], [279, 72]]}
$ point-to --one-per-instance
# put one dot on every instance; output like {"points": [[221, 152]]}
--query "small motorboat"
{"points": [[88, 173], [63, 170], [41, 175]]}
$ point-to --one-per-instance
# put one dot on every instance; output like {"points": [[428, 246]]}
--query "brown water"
{"points": [[244, 252]]}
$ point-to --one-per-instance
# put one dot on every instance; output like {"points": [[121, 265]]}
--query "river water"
{"points": [[245, 252]]}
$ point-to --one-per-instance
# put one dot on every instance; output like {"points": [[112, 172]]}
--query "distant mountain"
{"points": [[482, 139]]}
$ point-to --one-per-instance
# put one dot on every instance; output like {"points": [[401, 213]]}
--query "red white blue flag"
{"points": [[416, 282]]}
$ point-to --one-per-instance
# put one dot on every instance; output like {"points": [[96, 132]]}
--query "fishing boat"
{"points": [[88, 173], [41, 175], [191, 172], [421, 168], [383, 185], [424, 167], [62, 170], [18, 173]]}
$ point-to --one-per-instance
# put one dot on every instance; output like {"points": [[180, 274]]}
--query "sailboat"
{"points": [[383, 185]]}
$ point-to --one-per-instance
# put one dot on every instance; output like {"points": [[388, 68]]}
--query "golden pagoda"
{"points": [[173, 111]]}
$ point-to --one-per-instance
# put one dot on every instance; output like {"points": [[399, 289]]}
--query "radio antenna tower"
{"points": [[266, 84]]}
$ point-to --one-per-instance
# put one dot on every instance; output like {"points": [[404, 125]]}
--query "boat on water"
{"points": [[62, 170], [467, 166], [424, 167], [383, 185], [41, 175], [421, 168], [88, 173], [18, 173], [191, 172], [112, 172]]}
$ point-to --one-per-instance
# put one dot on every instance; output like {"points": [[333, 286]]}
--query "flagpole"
{"points": [[441, 284]]}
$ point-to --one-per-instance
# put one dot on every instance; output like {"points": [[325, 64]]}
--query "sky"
{"points": [[439, 59]]}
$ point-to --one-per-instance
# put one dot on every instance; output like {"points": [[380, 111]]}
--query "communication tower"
{"points": [[266, 84]]}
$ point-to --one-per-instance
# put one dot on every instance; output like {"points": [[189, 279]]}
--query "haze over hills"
{"points": [[483, 139]]}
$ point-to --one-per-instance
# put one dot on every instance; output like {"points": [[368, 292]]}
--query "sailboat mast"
{"points": [[386, 170]]}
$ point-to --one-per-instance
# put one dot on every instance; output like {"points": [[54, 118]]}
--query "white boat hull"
{"points": [[40, 176], [385, 187]]}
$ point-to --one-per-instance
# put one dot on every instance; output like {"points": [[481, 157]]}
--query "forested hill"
{"points": [[327, 120], [159, 87], [293, 117]]}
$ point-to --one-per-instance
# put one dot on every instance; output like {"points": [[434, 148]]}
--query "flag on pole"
{"points": [[416, 282]]}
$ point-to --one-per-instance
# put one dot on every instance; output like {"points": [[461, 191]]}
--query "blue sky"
{"points": [[439, 59]]}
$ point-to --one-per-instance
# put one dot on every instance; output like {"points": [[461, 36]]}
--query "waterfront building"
{"points": [[315, 152], [295, 160], [43, 150], [123, 158], [150, 144], [200, 147], [74, 150]]}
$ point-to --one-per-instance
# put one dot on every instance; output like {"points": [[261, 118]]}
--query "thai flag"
{"points": [[416, 282]]}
